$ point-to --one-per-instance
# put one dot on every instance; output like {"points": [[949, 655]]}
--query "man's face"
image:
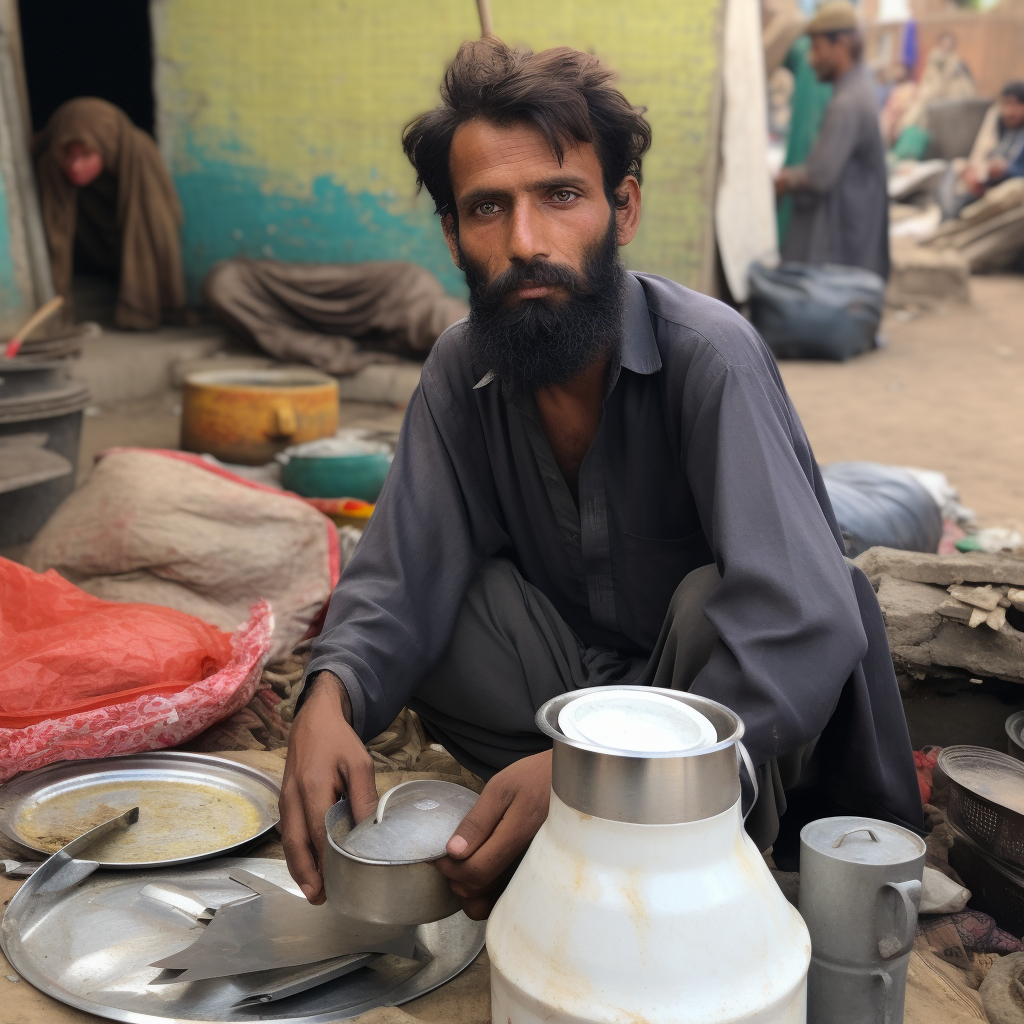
{"points": [[825, 56], [1011, 111], [538, 242], [517, 205]]}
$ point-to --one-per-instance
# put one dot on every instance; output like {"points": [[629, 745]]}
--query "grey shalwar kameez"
{"points": [[841, 206], [479, 590]]}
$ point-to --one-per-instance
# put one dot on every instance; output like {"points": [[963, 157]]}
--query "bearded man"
{"points": [[600, 479]]}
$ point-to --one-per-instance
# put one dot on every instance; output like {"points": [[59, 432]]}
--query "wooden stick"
{"points": [[41, 314], [483, 8]]}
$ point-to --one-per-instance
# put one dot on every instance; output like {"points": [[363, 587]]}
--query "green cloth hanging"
{"points": [[810, 98]]}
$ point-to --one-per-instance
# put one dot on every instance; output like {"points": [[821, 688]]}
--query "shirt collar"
{"points": [[639, 347]]}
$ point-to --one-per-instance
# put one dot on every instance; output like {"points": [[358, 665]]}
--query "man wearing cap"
{"points": [[840, 197]]}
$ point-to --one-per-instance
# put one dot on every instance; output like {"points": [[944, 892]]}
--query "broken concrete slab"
{"points": [[927, 277], [944, 570], [391, 383], [123, 366], [922, 637]]}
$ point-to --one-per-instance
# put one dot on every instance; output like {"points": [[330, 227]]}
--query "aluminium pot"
{"points": [[380, 871]]}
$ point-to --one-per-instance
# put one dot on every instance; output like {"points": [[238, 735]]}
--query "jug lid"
{"points": [[862, 840], [413, 823], [636, 721]]}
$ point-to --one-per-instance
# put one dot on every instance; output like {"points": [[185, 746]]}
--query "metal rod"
{"points": [[483, 8]]}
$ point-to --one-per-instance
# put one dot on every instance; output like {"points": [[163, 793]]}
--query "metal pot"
{"points": [[248, 416], [860, 889], [380, 871], [984, 799], [1015, 735]]}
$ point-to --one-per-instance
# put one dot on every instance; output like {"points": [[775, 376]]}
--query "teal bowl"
{"points": [[337, 476]]}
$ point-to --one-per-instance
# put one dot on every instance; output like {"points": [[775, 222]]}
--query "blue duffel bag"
{"points": [[816, 312]]}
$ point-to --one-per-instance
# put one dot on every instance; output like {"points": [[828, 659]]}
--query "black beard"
{"points": [[538, 342]]}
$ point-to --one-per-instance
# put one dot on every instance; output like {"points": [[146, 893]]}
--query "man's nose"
{"points": [[527, 238]]}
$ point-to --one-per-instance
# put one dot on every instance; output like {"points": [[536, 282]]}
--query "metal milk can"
{"points": [[641, 897], [860, 890]]}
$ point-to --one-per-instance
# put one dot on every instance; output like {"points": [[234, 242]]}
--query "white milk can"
{"points": [[641, 898]]}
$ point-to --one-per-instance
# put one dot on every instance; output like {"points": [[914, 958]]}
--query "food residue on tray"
{"points": [[176, 820]]}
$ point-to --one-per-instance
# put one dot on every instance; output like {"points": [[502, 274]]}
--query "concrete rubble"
{"points": [[951, 613]]}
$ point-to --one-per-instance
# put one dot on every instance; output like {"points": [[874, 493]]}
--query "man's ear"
{"points": [[451, 236], [627, 209]]}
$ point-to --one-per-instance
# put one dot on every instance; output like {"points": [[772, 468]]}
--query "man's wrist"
{"points": [[326, 680]]}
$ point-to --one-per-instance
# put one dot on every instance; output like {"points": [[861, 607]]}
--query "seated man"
{"points": [[997, 154], [338, 317], [840, 192], [109, 207], [600, 479]]}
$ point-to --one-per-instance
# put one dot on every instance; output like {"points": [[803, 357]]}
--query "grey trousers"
{"points": [[511, 652]]}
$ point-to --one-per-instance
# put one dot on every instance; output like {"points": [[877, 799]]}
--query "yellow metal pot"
{"points": [[248, 416]]}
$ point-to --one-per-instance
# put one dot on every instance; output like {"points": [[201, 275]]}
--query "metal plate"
{"points": [[191, 806], [89, 947]]}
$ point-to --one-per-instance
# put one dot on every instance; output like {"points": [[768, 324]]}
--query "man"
{"points": [[600, 479], [840, 198], [339, 317], [997, 154], [109, 207]]}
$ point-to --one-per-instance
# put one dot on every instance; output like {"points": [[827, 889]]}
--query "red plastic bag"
{"points": [[82, 677]]}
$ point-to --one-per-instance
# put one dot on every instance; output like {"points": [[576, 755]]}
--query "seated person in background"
{"points": [[997, 154], [840, 193], [109, 206], [599, 480], [338, 317]]}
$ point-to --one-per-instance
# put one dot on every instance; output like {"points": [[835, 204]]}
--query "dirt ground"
{"points": [[947, 394]]}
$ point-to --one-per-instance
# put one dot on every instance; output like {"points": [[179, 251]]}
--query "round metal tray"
{"points": [[191, 806], [90, 946]]}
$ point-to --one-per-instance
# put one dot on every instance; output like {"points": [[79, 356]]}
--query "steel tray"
{"points": [[191, 806], [90, 945]]}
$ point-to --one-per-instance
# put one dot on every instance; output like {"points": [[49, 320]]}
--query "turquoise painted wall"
{"points": [[281, 122]]}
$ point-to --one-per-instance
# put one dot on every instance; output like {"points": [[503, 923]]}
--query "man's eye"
{"points": [[564, 195], [487, 208]]}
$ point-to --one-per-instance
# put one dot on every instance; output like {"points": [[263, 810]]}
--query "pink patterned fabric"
{"points": [[147, 722]]}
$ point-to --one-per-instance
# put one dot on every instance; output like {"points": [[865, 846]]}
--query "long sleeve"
{"points": [[394, 610], [786, 610], [832, 149]]}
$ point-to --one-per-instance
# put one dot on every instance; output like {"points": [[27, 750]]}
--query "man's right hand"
{"points": [[325, 759]]}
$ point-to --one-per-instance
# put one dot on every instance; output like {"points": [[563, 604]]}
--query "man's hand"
{"points": [[325, 759], [484, 852], [997, 168]]}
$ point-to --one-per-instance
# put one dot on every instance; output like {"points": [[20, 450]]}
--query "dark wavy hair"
{"points": [[564, 94]]}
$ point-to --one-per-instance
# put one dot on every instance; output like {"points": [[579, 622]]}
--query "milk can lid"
{"points": [[636, 721], [862, 840]]}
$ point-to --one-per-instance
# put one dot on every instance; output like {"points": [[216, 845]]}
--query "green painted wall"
{"points": [[282, 121]]}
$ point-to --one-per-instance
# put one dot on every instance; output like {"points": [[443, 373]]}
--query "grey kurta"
{"points": [[841, 212], [699, 458]]}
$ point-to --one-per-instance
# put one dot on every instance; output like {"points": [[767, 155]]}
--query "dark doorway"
{"points": [[74, 48]]}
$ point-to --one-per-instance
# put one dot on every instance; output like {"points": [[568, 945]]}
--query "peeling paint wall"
{"points": [[281, 122]]}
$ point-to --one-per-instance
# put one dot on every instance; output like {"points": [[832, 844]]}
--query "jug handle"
{"points": [[900, 940], [887, 1007], [744, 757]]}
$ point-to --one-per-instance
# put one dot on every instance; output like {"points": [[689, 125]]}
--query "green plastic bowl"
{"points": [[339, 476]]}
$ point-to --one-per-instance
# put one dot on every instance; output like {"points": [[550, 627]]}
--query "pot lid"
{"points": [[636, 721], [862, 840], [413, 823]]}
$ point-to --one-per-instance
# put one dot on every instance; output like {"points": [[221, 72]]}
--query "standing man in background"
{"points": [[840, 197]]}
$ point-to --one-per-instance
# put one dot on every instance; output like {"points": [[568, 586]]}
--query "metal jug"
{"points": [[641, 898], [860, 890]]}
